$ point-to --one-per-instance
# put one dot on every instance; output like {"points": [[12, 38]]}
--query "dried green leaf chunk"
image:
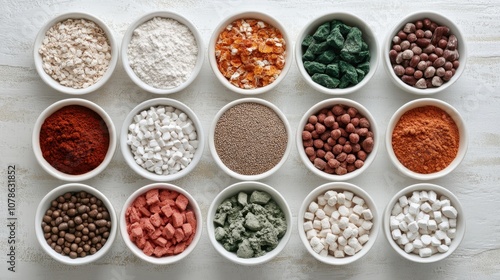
{"points": [[365, 67], [313, 67], [318, 48], [335, 39], [326, 57], [308, 40], [322, 32], [325, 80], [348, 72], [332, 70], [353, 41]]}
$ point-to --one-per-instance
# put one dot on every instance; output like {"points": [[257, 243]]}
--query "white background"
{"points": [[23, 96]]}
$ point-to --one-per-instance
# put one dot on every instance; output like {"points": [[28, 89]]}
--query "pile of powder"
{"points": [[250, 138], [162, 52]]}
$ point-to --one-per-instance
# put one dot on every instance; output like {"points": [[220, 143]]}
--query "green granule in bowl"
{"points": [[249, 224]]}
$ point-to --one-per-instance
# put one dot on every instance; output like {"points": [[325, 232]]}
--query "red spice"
{"points": [[74, 139], [425, 139]]}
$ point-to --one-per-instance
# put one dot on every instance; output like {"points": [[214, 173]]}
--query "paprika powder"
{"points": [[425, 139], [74, 139]]}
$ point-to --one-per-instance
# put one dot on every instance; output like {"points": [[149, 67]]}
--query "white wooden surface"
{"points": [[23, 96]]}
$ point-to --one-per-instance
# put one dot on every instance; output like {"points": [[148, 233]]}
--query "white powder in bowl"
{"points": [[162, 52]]}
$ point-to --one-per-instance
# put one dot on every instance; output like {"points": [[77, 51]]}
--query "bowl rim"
{"points": [[436, 17], [44, 205], [347, 18], [55, 84], [145, 105], [337, 186], [329, 103], [169, 15], [227, 170], [234, 189], [51, 109], [246, 14], [461, 223], [457, 118], [168, 259]]}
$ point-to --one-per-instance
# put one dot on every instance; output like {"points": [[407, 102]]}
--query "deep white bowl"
{"points": [[339, 187], [249, 15], [440, 191], [351, 20], [435, 17], [55, 84], [193, 205], [45, 204], [454, 114], [128, 36], [327, 103], [248, 187], [126, 151], [213, 151], [52, 109]]}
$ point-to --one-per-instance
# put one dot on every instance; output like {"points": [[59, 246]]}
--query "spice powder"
{"points": [[425, 139], [74, 139], [250, 138]]}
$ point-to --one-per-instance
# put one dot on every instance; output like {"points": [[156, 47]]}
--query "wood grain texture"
{"points": [[24, 96]]}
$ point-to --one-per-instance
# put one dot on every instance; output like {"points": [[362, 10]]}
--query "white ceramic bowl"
{"points": [[328, 103], [45, 204], [408, 192], [55, 84], [193, 205], [52, 109], [128, 36], [213, 151], [454, 114], [249, 15], [441, 20], [248, 187], [351, 20], [339, 187], [127, 153]]}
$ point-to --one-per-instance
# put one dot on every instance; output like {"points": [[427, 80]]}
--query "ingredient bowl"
{"points": [[250, 139], [424, 53], [445, 230], [163, 144], [352, 223], [72, 143], [153, 226], [258, 196], [268, 57], [162, 52], [97, 66], [427, 142], [335, 67], [65, 222], [337, 139]]}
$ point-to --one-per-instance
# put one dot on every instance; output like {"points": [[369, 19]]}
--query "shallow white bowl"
{"points": [[45, 204], [213, 151], [351, 20], [193, 205], [126, 151], [248, 187], [52, 109], [440, 191], [435, 17], [55, 84], [327, 103], [454, 114], [338, 187], [249, 15], [128, 36]]}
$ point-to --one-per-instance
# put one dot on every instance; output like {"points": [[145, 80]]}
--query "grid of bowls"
{"points": [[349, 19]]}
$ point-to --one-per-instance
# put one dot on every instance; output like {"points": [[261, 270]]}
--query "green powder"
{"points": [[250, 225]]}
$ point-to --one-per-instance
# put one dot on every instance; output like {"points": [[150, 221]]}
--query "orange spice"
{"points": [[250, 53], [425, 139]]}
